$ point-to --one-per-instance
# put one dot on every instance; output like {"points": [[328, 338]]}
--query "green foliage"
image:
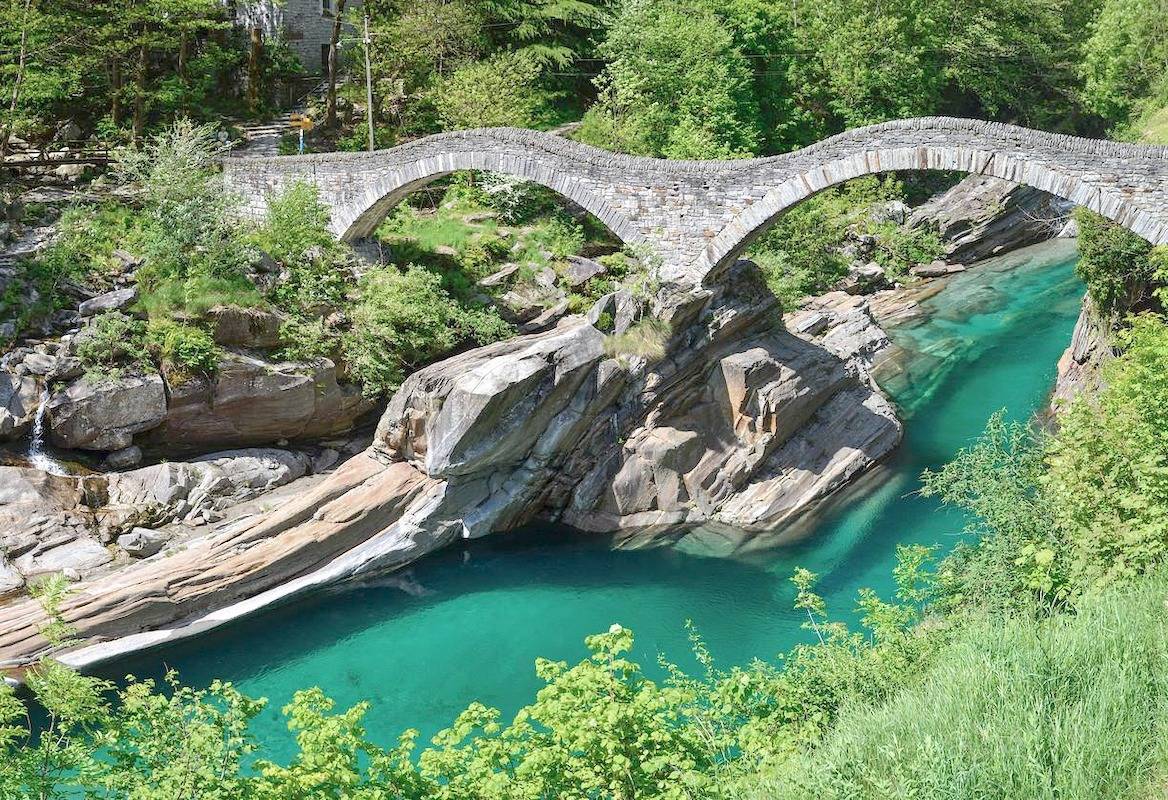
{"points": [[403, 320], [184, 350], [799, 254], [194, 257], [1079, 510], [676, 85], [899, 248], [997, 482], [1108, 466], [113, 342], [89, 234], [1116, 265], [498, 92], [1124, 58], [316, 266]]}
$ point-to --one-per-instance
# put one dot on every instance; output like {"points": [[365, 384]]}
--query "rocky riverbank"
{"points": [[737, 420]]}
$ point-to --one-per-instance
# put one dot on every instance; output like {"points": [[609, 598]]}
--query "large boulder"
{"points": [[105, 413], [486, 409], [245, 327], [251, 401]]}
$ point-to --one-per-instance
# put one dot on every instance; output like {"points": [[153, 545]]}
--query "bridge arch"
{"points": [[359, 218], [1112, 199]]}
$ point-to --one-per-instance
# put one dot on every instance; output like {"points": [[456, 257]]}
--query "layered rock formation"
{"points": [[741, 423], [984, 216]]}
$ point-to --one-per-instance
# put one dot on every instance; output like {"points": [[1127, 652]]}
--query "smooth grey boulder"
{"points": [[142, 542], [104, 414], [488, 406], [116, 300], [72, 558]]}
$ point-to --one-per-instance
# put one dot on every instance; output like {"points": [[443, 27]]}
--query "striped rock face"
{"points": [[699, 215]]}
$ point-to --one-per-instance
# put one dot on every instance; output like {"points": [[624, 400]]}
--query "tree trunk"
{"points": [[254, 55], [139, 124], [330, 117], [18, 82], [116, 91]]}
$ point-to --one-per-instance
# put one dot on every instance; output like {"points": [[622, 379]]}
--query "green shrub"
{"points": [[195, 295], [307, 339], [88, 236], [799, 254], [1066, 514], [404, 320], [899, 248], [1116, 265], [296, 221], [184, 349], [1108, 465], [114, 342]]}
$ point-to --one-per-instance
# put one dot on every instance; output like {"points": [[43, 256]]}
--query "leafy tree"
{"points": [[500, 91], [676, 85], [1126, 57], [552, 33]]}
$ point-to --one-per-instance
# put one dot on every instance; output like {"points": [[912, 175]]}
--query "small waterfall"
{"points": [[38, 456]]}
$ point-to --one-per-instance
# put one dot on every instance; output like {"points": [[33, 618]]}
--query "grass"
{"points": [[1153, 127], [1072, 707], [646, 339], [197, 294]]}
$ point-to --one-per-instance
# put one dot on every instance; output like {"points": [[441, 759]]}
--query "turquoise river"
{"points": [[468, 624]]}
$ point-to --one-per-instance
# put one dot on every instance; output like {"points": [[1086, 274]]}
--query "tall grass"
{"points": [[1072, 707]]}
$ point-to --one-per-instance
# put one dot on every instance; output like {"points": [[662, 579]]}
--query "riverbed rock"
{"points": [[541, 426], [105, 413], [116, 300], [72, 559], [19, 398], [936, 269], [125, 458], [142, 542], [11, 581], [1081, 364], [253, 402], [983, 216]]}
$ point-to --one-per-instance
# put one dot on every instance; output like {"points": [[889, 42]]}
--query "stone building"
{"points": [[304, 25]]}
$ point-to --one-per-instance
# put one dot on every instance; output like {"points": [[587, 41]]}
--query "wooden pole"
{"points": [[368, 88]]}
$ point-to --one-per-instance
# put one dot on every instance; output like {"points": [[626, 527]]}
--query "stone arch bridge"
{"points": [[698, 215]]}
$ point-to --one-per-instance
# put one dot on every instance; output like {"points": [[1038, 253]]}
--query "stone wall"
{"points": [[698, 215]]}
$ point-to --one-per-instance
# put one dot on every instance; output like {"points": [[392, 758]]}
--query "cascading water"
{"points": [[38, 456]]}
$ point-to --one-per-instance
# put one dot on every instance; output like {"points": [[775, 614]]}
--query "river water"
{"points": [[467, 624]]}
